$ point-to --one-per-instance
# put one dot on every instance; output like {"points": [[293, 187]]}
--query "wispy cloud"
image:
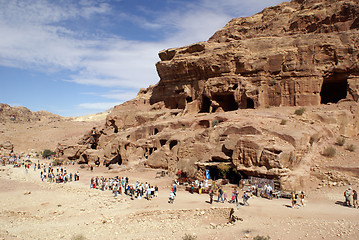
{"points": [[36, 35]]}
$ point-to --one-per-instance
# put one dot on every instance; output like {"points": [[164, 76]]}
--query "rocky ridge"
{"points": [[231, 100], [17, 114]]}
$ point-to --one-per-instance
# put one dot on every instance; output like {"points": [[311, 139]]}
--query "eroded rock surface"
{"points": [[298, 53], [200, 114]]}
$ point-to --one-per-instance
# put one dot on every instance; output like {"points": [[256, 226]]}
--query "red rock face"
{"points": [[298, 53]]}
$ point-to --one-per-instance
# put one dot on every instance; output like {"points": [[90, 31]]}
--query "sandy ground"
{"points": [[32, 209], [38, 136]]}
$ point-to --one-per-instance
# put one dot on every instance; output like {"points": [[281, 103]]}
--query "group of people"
{"points": [[222, 196], [15, 161], [121, 185], [61, 175], [351, 198], [297, 199]]}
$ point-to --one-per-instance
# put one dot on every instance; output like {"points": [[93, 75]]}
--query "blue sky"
{"points": [[74, 58]]}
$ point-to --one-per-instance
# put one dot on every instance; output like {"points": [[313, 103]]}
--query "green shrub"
{"points": [[300, 111], [258, 237], [215, 122], [189, 237], [340, 141], [329, 152], [47, 153], [350, 148], [283, 122]]}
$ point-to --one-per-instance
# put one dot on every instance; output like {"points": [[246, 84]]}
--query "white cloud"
{"points": [[35, 36]]}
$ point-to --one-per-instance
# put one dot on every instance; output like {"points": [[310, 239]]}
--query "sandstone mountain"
{"points": [[24, 131], [298, 53], [231, 100], [16, 114]]}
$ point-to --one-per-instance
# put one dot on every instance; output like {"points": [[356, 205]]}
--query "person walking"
{"points": [[347, 195], [355, 199], [220, 195], [210, 196], [245, 199]]}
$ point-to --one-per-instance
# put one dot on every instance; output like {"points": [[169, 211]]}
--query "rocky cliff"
{"points": [[299, 53], [231, 100]]}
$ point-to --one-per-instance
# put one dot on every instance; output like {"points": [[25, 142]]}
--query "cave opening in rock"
{"points": [[151, 150], [113, 124], [156, 131], [173, 143], [250, 103], [226, 101], [246, 102], [204, 123], [228, 172], [94, 145], [334, 88], [206, 105], [117, 159], [189, 99], [163, 142]]}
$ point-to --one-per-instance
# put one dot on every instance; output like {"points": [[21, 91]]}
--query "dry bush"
{"points": [[258, 237], [78, 237], [340, 141], [189, 237], [329, 152], [350, 148], [300, 111], [283, 122]]}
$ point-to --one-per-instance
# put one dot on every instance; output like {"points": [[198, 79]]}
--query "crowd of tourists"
{"points": [[121, 185], [139, 190], [15, 161], [60, 175]]}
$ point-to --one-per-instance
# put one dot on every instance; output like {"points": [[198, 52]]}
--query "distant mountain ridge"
{"points": [[17, 114]]}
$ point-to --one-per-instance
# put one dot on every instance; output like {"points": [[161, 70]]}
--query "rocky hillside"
{"points": [[24, 131], [233, 100], [16, 114]]}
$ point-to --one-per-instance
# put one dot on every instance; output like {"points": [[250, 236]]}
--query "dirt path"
{"points": [[31, 209]]}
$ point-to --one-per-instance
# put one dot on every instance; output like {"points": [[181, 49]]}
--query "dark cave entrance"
{"points": [[230, 173], [117, 159], [246, 102], [206, 104], [226, 101], [250, 103], [334, 88]]}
